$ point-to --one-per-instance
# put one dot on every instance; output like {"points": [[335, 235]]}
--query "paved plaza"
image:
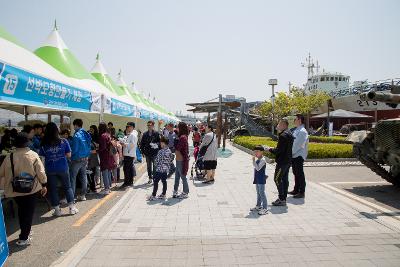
{"points": [[214, 227]]}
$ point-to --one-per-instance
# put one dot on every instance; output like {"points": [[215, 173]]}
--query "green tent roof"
{"points": [[100, 73], [56, 53]]}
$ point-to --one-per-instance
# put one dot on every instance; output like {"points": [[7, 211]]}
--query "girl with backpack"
{"points": [[196, 137], [106, 152]]}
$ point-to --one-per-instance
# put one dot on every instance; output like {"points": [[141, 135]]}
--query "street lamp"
{"points": [[273, 82]]}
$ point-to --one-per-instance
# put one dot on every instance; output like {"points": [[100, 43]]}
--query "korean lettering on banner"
{"points": [[20, 86], [121, 108]]}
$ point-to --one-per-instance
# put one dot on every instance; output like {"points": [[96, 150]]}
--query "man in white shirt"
{"points": [[129, 143], [299, 155]]}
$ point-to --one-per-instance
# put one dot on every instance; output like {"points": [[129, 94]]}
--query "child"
{"points": [[260, 178], [162, 162]]}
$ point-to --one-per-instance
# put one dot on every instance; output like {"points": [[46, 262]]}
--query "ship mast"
{"points": [[309, 64]]}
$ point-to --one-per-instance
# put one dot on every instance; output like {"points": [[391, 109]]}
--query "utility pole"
{"points": [[219, 120], [273, 82]]}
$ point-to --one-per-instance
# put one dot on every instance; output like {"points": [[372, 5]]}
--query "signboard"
{"points": [[26, 88], [272, 82], [3, 239], [121, 108]]}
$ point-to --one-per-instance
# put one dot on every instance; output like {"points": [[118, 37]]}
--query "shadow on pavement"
{"points": [[143, 186], [385, 194], [252, 215], [278, 209], [172, 201], [201, 184], [295, 201], [374, 216]]}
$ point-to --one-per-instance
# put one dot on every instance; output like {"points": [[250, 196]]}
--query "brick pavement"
{"points": [[214, 227]]}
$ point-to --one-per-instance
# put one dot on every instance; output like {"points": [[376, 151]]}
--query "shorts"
{"points": [[210, 164]]}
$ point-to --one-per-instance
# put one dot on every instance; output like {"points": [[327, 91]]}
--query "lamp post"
{"points": [[273, 82]]}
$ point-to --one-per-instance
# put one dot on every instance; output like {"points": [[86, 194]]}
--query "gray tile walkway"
{"points": [[214, 227]]}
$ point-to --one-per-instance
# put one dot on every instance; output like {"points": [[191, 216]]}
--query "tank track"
{"points": [[375, 167]]}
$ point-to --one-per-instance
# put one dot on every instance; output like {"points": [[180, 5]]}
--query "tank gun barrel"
{"points": [[381, 97]]}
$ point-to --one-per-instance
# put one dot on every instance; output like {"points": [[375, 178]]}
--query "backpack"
{"points": [[87, 143], [197, 137], [112, 149]]}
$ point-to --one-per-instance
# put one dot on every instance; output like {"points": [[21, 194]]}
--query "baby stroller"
{"points": [[197, 168]]}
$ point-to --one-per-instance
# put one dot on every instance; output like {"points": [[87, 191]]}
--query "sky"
{"points": [[183, 51]]}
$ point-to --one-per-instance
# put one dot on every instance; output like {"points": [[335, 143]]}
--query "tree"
{"points": [[297, 101]]}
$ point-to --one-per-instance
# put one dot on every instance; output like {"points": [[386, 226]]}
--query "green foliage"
{"points": [[297, 101], [327, 139], [315, 150]]}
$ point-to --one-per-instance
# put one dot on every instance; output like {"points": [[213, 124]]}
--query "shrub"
{"points": [[315, 150], [329, 139]]}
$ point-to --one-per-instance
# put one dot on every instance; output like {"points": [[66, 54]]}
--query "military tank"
{"points": [[379, 148]]}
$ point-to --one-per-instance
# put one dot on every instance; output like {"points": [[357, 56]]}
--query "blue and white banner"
{"points": [[25, 88], [121, 108], [3, 239], [144, 114]]}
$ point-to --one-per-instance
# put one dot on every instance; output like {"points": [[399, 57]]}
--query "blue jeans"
{"points": [[106, 178], [52, 179], [171, 169], [78, 169], [178, 176], [261, 196]]}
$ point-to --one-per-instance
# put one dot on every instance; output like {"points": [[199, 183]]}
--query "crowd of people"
{"points": [[44, 158]]}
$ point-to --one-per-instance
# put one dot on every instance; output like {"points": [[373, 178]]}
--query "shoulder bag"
{"points": [[203, 149], [24, 182]]}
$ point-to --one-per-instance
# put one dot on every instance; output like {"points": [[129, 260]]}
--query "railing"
{"points": [[378, 86], [253, 128]]}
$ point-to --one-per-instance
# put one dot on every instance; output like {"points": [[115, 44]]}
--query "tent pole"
{"points": [[101, 115], [26, 113], [61, 119], [48, 118]]}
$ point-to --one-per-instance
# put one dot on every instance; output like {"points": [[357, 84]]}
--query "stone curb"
{"points": [[249, 151]]}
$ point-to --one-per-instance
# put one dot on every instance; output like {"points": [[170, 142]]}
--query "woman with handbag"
{"points": [[209, 148], [22, 175]]}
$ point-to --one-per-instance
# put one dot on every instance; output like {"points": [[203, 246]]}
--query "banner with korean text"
{"points": [[26, 88], [122, 109]]}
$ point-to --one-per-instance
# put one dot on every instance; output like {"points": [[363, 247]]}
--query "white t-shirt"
{"points": [[130, 142]]}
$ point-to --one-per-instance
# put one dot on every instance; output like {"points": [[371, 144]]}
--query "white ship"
{"points": [[347, 96]]}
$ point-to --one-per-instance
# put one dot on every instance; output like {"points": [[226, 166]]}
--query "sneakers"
{"points": [[151, 198], [57, 211], [292, 192], [161, 196], [263, 212], [256, 208], [22, 243], [150, 181], [175, 194], [279, 202], [105, 192], [183, 195], [73, 210], [63, 201], [81, 198]]}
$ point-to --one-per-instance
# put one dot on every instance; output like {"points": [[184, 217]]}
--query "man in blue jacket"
{"points": [[80, 151]]}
